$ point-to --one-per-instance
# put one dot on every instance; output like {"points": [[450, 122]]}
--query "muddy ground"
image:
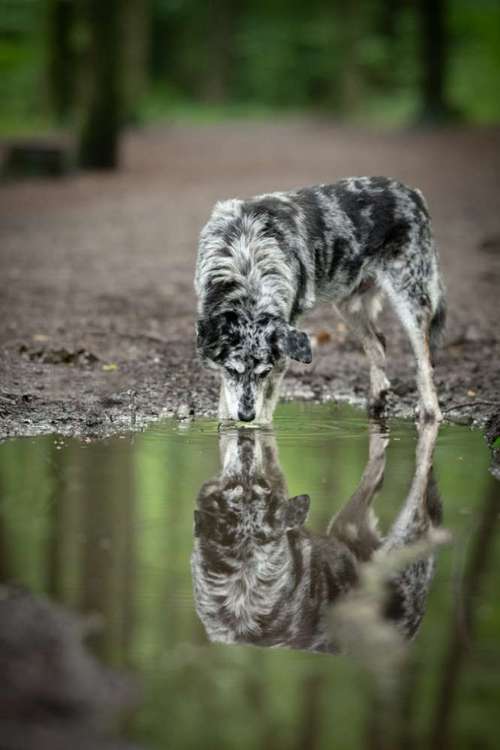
{"points": [[97, 305]]}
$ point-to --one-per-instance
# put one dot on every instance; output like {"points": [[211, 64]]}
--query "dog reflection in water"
{"points": [[261, 577]]}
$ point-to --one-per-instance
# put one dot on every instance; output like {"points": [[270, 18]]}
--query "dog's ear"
{"points": [[290, 342], [298, 346], [296, 511]]}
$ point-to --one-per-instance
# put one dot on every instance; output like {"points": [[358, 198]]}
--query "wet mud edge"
{"points": [[86, 398]]}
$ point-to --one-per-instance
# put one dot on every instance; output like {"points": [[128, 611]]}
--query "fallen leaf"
{"points": [[323, 337], [111, 367]]}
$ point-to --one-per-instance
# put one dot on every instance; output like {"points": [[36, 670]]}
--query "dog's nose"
{"points": [[246, 415]]}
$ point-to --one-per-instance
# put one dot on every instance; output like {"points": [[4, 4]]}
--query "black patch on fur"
{"points": [[218, 292], [438, 323], [353, 203], [395, 605], [381, 229], [332, 585], [301, 290], [294, 541], [315, 228], [433, 502], [381, 337], [217, 336], [339, 252], [395, 238]]}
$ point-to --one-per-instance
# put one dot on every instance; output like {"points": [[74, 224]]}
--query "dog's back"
{"points": [[314, 243]]}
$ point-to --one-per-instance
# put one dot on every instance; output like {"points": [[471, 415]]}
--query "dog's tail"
{"points": [[438, 321]]}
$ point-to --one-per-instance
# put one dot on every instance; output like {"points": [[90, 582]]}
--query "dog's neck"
{"points": [[236, 605], [249, 261]]}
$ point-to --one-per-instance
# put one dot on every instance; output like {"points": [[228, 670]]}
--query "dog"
{"points": [[264, 262], [260, 577]]}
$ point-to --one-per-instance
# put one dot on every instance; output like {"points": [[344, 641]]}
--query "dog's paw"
{"points": [[377, 406], [429, 415]]}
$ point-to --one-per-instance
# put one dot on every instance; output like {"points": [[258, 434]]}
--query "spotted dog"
{"points": [[261, 577], [264, 262]]}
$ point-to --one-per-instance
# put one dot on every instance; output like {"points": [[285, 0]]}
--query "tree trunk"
{"points": [[434, 60], [61, 58], [347, 83], [221, 19], [388, 14], [136, 31], [99, 138]]}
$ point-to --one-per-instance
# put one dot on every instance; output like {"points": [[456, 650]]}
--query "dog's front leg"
{"points": [[272, 394], [223, 412]]}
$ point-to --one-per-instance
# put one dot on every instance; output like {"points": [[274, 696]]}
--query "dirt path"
{"points": [[97, 306]]}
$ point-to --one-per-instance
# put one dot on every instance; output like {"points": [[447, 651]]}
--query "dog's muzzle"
{"points": [[246, 415]]}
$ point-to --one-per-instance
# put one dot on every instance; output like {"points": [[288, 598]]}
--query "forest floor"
{"points": [[97, 307]]}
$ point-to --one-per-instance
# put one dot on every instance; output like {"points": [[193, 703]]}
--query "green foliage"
{"points": [[475, 72], [352, 61], [21, 68], [218, 58]]}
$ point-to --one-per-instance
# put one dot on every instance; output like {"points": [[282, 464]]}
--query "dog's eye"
{"points": [[232, 371], [263, 372]]}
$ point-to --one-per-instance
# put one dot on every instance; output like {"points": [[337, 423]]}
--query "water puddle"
{"points": [[329, 583]]}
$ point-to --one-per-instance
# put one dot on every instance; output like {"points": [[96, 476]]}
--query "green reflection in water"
{"points": [[108, 527]]}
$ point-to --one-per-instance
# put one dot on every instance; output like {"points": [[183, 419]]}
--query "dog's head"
{"points": [[247, 351], [247, 505]]}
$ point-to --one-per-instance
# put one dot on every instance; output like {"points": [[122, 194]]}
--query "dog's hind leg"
{"points": [[422, 507], [356, 524], [410, 540], [414, 309], [360, 313]]}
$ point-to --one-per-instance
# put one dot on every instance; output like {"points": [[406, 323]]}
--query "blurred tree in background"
{"points": [[434, 59], [103, 89], [96, 66], [61, 58]]}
